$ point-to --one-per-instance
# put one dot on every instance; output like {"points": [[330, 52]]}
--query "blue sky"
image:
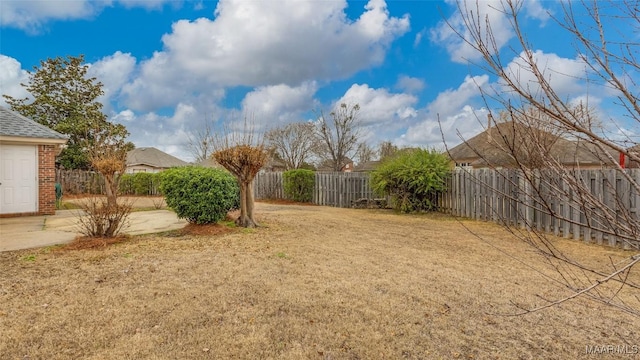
{"points": [[169, 66]]}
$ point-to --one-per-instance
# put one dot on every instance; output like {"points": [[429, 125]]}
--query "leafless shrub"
{"points": [[158, 203], [99, 218]]}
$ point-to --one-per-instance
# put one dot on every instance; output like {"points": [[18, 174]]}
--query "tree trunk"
{"points": [[246, 205], [109, 185], [250, 204]]}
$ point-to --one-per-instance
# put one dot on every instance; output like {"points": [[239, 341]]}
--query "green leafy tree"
{"points": [[64, 99], [412, 178]]}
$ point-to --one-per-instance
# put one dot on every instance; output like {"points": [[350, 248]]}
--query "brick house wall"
{"points": [[46, 179]]}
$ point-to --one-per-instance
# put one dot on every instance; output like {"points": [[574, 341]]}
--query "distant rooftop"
{"points": [[153, 157]]}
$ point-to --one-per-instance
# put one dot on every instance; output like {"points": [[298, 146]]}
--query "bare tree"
{"points": [[539, 117], [338, 137], [386, 149], [201, 143], [364, 153], [243, 154], [107, 154], [294, 143]]}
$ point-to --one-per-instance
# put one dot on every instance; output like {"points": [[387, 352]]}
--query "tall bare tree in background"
{"points": [[364, 153], [604, 34], [386, 149], [200, 143], [338, 136], [294, 143], [243, 154]]}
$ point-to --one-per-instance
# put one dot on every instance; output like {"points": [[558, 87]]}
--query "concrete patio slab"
{"points": [[38, 231]]}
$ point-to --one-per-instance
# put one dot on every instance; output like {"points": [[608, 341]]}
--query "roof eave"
{"points": [[31, 140]]}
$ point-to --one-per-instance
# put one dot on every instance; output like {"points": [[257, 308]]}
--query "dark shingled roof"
{"points": [[367, 166], [14, 124], [153, 157], [487, 148]]}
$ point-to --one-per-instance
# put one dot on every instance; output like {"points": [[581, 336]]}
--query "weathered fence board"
{"points": [[507, 196], [336, 189], [80, 181]]}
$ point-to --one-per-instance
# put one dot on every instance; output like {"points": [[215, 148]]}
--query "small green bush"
{"points": [[125, 186], [200, 195], [298, 184], [412, 179], [142, 183]]}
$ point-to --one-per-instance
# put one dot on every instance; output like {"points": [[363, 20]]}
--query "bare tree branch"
{"points": [[338, 138], [295, 143], [536, 121]]}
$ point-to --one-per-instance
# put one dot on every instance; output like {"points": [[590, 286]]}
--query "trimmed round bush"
{"points": [[298, 184], [200, 195], [412, 179]]}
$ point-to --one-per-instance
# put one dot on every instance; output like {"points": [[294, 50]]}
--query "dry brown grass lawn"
{"points": [[315, 283]]}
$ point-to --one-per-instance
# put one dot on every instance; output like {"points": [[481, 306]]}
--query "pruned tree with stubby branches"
{"points": [[107, 154], [539, 116], [243, 154]]}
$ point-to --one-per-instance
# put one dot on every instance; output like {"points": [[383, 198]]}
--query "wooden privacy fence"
{"points": [[80, 181], [336, 189], [90, 182], [504, 196], [501, 196]]}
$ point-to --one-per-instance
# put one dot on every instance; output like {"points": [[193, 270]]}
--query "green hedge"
{"points": [[142, 183], [298, 184], [200, 195], [412, 178]]}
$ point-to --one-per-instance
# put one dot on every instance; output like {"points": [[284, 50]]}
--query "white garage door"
{"points": [[18, 183]]}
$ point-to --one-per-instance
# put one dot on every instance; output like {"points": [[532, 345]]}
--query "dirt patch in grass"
{"points": [[205, 229], [313, 283], [87, 242]]}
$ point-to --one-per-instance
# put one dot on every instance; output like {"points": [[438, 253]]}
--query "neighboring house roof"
{"points": [[489, 147], [14, 125], [367, 166], [275, 165], [208, 163], [152, 157], [327, 165]]}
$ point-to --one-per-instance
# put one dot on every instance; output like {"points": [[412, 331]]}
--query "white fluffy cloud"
{"points": [[11, 76], [379, 106], [168, 133], [452, 108], [409, 84], [33, 15], [564, 75], [113, 71], [447, 33], [278, 104], [255, 43]]}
